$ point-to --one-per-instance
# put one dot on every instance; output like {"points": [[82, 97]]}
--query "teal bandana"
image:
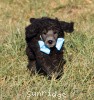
{"points": [[45, 49]]}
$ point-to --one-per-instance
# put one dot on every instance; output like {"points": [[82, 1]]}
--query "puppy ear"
{"points": [[30, 33], [67, 27], [32, 20]]}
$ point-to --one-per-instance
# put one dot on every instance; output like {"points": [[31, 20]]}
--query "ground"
{"points": [[77, 82]]}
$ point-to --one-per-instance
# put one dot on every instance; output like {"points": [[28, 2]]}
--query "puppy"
{"points": [[45, 45]]}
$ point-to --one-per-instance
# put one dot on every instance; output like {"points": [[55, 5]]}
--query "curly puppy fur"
{"points": [[49, 30]]}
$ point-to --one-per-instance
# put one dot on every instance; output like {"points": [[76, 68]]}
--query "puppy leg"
{"points": [[32, 67], [31, 60]]}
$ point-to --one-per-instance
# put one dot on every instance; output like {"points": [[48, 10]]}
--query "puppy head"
{"points": [[50, 29], [50, 37]]}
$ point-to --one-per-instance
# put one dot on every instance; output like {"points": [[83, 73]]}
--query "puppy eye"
{"points": [[44, 33], [55, 32]]}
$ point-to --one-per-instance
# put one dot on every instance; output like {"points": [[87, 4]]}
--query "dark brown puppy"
{"points": [[48, 30]]}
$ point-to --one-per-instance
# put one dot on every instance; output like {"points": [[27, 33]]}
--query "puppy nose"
{"points": [[50, 41]]}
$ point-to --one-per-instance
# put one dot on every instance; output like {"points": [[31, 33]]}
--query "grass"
{"points": [[77, 82]]}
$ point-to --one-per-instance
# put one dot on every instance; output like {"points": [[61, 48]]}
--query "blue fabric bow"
{"points": [[46, 50]]}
